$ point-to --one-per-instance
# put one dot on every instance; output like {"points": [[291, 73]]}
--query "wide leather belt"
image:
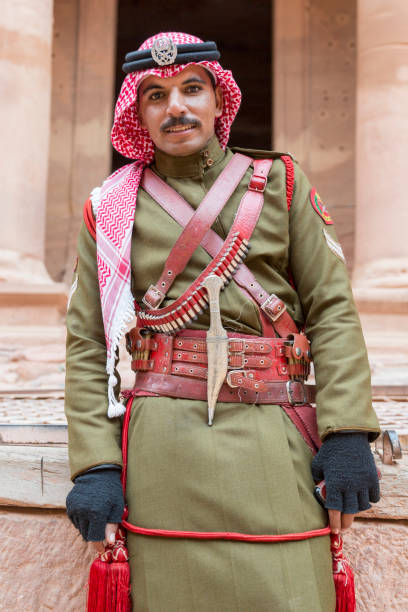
{"points": [[260, 369], [290, 392]]}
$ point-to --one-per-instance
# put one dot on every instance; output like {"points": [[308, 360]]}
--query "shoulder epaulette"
{"points": [[260, 154]]}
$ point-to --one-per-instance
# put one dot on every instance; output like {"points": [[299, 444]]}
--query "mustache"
{"points": [[179, 121]]}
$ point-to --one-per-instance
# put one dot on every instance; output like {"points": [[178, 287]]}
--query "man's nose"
{"points": [[176, 104]]}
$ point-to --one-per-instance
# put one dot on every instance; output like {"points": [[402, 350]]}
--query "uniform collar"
{"points": [[192, 165]]}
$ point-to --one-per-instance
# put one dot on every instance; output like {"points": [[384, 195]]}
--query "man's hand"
{"points": [[346, 463], [95, 505]]}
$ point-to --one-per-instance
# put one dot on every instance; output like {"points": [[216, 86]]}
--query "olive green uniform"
{"points": [[250, 472]]}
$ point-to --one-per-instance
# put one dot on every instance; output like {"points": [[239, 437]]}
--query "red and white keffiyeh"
{"points": [[114, 202]]}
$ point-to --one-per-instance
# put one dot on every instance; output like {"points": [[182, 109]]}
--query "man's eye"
{"points": [[156, 95], [193, 89]]}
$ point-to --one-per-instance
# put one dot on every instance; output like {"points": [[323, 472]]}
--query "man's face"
{"points": [[179, 112]]}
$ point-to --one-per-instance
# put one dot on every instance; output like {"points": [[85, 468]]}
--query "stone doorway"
{"points": [[244, 39]]}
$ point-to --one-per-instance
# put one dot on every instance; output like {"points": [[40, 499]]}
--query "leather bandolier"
{"points": [[170, 360]]}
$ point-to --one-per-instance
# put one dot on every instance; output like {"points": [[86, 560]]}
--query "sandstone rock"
{"points": [[43, 563], [44, 353], [378, 552]]}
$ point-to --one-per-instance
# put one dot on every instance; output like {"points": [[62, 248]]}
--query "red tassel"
{"points": [[118, 588], [98, 580], [109, 579], [343, 577]]}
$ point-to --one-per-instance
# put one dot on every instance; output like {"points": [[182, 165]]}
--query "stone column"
{"points": [[25, 71], [314, 102], [381, 241], [27, 294], [83, 85]]}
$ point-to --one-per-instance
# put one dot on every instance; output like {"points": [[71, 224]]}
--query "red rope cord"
{"points": [[290, 178], [226, 535], [125, 433]]}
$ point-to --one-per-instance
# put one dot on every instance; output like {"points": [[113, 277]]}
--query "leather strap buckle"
{"points": [[232, 354], [274, 311], [153, 297], [257, 183], [290, 393], [241, 373]]}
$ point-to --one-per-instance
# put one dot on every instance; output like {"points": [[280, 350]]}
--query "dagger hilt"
{"points": [[213, 285]]}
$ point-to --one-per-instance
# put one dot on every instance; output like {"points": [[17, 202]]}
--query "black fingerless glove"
{"points": [[95, 499], [346, 463]]}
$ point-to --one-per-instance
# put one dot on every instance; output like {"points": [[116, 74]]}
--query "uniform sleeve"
{"points": [[332, 323], [94, 439]]}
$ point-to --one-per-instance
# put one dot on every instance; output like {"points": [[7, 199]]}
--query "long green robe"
{"points": [[250, 472]]}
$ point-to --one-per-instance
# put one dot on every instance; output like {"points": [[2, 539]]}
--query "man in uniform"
{"points": [[249, 474]]}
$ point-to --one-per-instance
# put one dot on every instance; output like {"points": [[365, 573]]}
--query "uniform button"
{"points": [[210, 162]]}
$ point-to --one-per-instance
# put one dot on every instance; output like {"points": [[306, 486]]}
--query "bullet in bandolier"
{"points": [[177, 321], [219, 271], [194, 304], [184, 312], [201, 297], [166, 326], [243, 249], [232, 262]]}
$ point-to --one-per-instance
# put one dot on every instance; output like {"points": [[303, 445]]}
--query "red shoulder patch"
{"points": [[319, 207]]}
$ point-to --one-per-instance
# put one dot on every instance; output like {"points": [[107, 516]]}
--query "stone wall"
{"points": [[43, 562], [49, 563]]}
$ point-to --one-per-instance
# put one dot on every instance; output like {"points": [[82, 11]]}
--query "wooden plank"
{"points": [[394, 492], [38, 476], [34, 476]]}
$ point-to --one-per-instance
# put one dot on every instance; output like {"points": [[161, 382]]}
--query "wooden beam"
{"points": [[394, 492], [38, 477], [34, 476]]}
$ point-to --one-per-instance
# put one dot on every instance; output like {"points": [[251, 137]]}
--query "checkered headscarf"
{"points": [[128, 136]]}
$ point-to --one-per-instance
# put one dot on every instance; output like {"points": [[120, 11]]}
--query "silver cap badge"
{"points": [[164, 51]]}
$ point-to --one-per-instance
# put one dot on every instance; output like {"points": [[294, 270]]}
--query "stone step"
{"points": [[37, 303]]}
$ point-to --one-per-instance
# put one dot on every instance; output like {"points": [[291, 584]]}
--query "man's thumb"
{"points": [[110, 532]]}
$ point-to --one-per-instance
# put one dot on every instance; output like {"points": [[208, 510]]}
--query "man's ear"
{"points": [[218, 101]]}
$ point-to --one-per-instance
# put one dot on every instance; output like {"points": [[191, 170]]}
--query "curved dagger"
{"points": [[217, 345]]}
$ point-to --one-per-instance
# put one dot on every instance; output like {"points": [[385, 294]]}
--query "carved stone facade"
{"points": [[339, 98]]}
